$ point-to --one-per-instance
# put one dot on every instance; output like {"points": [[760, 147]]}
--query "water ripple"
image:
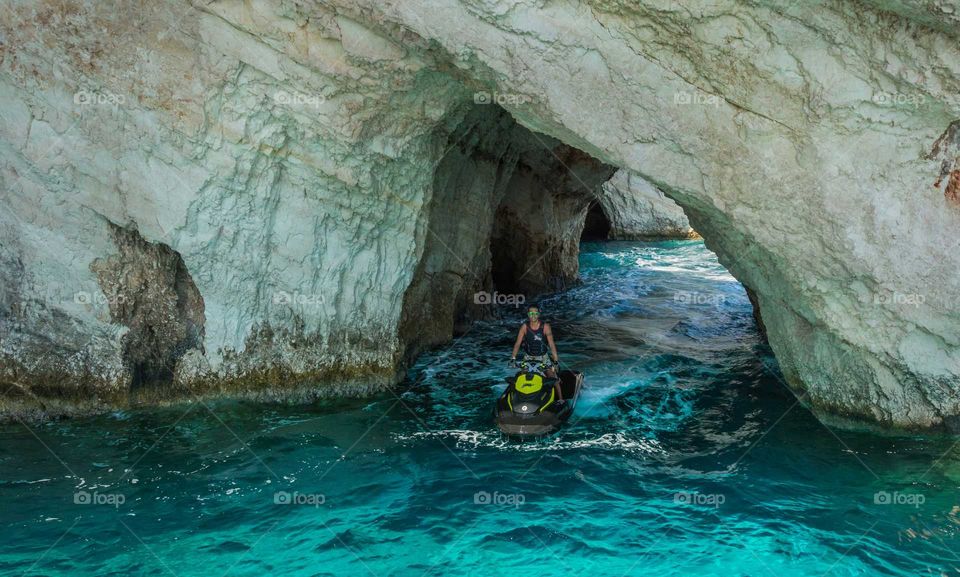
{"points": [[685, 455]]}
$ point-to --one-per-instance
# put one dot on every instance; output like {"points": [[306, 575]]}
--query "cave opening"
{"points": [[596, 226], [504, 224], [508, 212]]}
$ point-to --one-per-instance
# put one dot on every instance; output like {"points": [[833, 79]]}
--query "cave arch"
{"points": [[804, 208], [518, 201], [814, 186]]}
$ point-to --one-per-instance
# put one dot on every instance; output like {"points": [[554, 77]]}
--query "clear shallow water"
{"points": [[686, 455]]}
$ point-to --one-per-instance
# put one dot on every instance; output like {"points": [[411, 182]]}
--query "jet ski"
{"points": [[529, 407]]}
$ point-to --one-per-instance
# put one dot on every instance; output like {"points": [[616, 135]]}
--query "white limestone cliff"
{"points": [[284, 157], [638, 210]]}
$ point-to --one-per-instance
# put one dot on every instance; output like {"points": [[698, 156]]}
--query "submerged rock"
{"points": [[319, 174]]}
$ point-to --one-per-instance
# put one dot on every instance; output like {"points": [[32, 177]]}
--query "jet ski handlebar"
{"points": [[529, 366]]}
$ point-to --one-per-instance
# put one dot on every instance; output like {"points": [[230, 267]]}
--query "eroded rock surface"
{"points": [[504, 224], [536, 236], [637, 210], [293, 156], [149, 291], [287, 162]]}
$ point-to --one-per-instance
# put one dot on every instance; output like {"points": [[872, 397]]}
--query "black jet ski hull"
{"points": [[541, 423]]}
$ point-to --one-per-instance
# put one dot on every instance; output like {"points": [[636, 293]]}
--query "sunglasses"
{"points": [[533, 314]]}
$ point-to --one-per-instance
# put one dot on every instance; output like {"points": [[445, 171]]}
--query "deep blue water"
{"points": [[686, 456]]}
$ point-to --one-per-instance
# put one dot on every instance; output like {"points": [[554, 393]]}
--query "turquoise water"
{"points": [[686, 456]]}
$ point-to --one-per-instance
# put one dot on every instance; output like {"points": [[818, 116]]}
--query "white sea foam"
{"points": [[467, 439]]}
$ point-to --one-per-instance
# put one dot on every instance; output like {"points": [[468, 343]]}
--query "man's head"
{"points": [[533, 312]]}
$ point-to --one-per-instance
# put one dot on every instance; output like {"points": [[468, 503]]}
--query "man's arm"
{"points": [[516, 345], [553, 348]]}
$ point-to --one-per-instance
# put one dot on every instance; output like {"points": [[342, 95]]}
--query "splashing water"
{"points": [[686, 455]]}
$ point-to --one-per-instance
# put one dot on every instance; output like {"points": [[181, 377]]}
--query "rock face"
{"points": [[300, 164], [504, 223], [150, 292], [288, 165], [536, 237], [637, 210]]}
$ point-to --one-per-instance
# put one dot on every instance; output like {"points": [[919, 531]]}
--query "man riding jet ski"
{"points": [[535, 337], [538, 400]]}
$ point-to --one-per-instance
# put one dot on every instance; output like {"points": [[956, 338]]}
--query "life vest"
{"points": [[534, 341]]}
